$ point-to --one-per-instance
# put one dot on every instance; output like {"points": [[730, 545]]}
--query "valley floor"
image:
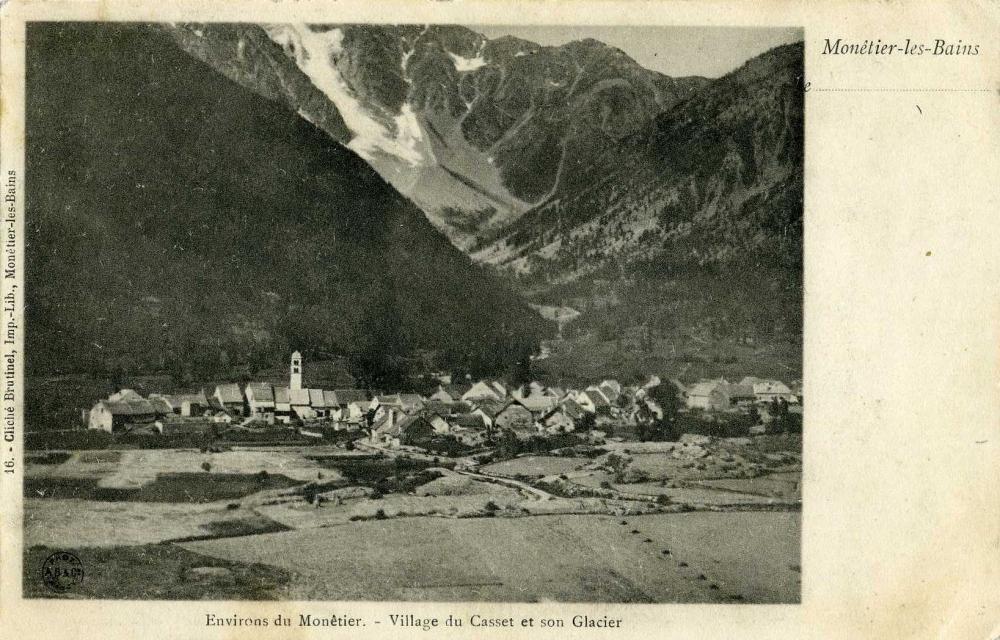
{"points": [[513, 531]]}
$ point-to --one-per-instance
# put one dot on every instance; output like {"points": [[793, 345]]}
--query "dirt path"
{"points": [[534, 492]]}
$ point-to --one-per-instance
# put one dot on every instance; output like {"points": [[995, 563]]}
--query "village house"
{"points": [[469, 422], [260, 400], [450, 392], [439, 422], [469, 437], [767, 391], [122, 416], [282, 405], [414, 429], [298, 399], [572, 409], [480, 390], [741, 395], [190, 404], [514, 416], [796, 389], [383, 428], [214, 406], [125, 395], [611, 385], [356, 411], [317, 402], [488, 409], [397, 429], [231, 398], [345, 397], [447, 409], [593, 401], [333, 410], [556, 421], [534, 398], [708, 395], [408, 403]]}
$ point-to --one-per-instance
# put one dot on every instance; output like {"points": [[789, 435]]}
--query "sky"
{"points": [[674, 51]]}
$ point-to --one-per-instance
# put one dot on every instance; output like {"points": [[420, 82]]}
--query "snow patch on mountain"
{"points": [[467, 64], [315, 53]]}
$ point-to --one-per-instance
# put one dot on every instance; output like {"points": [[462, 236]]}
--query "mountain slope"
{"points": [[717, 179], [690, 230], [476, 131], [177, 219]]}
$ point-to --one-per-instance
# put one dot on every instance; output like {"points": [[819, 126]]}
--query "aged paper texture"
{"points": [[481, 319]]}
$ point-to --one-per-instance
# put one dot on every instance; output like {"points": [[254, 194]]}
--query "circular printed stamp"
{"points": [[62, 571]]}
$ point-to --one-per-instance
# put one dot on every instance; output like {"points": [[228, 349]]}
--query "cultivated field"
{"points": [[713, 557], [537, 466], [317, 524]]}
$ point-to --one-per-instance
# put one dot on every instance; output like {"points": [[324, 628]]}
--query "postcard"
{"points": [[500, 320]]}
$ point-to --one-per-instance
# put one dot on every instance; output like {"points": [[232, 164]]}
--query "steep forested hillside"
{"points": [[691, 228], [176, 219]]}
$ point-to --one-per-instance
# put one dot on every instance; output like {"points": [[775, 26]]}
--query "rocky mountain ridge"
{"points": [[475, 131]]}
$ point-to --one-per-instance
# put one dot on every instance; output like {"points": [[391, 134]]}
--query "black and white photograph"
{"points": [[413, 312]]}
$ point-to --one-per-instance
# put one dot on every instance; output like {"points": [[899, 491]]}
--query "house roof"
{"points": [[125, 395], [410, 421], [261, 391], [390, 399], [572, 408], [455, 390], [597, 398], [177, 400], [160, 405], [482, 389], [281, 395], [703, 388], [513, 404], [771, 386], [299, 397], [555, 412], [330, 398], [490, 406], [740, 391], [388, 422], [469, 421], [316, 398], [229, 393], [140, 407], [410, 399], [538, 402], [610, 391], [347, 396], [438, 407], [613, 384]]}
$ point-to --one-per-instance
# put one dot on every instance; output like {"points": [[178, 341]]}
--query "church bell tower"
{"points": [[295, 381]]}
